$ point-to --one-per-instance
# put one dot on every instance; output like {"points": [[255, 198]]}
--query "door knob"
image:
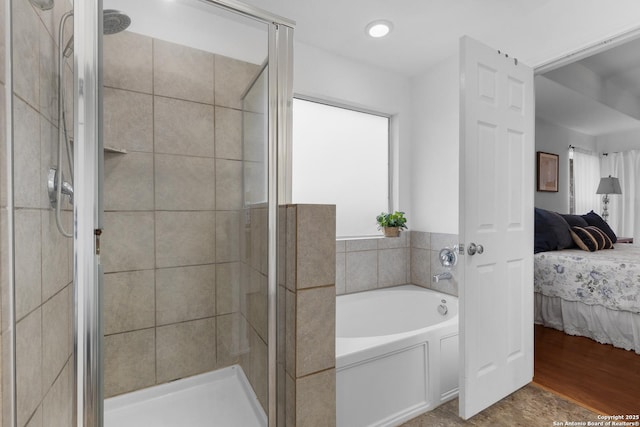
{"points": [[475, 249]]}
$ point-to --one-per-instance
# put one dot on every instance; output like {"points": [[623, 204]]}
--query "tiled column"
{"points": [[310, 316]]}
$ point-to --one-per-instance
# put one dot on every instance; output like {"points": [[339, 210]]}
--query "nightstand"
{"points": [[625, 240]]}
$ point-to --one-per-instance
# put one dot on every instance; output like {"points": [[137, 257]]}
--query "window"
{"points": [[341, 157], [586, 177]]}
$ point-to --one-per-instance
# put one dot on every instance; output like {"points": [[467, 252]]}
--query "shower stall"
{"points": [[141, 177]]}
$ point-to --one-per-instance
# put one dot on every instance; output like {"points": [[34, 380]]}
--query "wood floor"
{"points": [[600, 377]]}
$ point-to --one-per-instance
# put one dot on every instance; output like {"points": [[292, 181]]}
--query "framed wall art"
{"points": [[548, 167]]}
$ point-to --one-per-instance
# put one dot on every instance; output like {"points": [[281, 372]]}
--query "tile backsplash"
{"points": [[365, 264]]}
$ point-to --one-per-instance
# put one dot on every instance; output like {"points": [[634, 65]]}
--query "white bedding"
{"points": [[609, 278], [619, 328], [591, 294]]}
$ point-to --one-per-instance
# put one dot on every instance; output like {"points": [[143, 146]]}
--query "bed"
{"points": [[592, 294], [595, 294]]}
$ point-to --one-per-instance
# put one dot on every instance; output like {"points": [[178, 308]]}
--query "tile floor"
{"points": [[530, 406]]}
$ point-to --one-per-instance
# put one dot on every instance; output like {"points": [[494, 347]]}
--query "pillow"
{"points": [[604, 242], [559, 227], [584, 239], [593, 218], [575, 220], [591, 238], [544, 237]]}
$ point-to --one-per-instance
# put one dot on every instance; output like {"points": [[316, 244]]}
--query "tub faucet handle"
{"points": [[448, 257]]}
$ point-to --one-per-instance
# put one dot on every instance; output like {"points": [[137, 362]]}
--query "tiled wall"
{"points": [[425, 248], [247, 327], [174, 220], [43, 258], [307, 394], [365, 264]]}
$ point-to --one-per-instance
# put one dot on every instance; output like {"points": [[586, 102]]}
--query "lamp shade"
{"points": [[609, 185]]}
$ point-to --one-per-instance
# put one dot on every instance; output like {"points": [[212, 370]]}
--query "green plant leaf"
{"points": [[395, 219]]}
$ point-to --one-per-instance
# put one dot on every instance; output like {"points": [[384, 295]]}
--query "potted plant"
{"points": [[391, 223]]}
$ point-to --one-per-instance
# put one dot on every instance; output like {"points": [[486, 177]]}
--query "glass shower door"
{"points": [[169, 274], [185, 245]]}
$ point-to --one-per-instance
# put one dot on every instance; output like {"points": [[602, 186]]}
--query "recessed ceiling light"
{"points": [[377, 29]]}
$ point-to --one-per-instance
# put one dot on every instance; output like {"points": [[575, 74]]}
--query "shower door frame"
{"points": [[88, 210]]}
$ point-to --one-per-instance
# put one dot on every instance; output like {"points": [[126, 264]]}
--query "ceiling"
{"points": [[536, 32], [620, 66], [573, 109], [427, 31], [568, 108]]}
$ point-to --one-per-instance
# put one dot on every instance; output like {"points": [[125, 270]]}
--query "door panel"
{"points": [[516, 179], [496, 199], [486, 212]]}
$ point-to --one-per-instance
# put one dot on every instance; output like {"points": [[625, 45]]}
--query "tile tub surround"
{"points": [[307, 377], [380, 262], [42, 257], [184, 292], [425, 248]]}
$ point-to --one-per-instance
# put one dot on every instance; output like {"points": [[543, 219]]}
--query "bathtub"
{"points": [[396, 355]]}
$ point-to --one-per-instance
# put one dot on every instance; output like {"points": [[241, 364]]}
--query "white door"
{"points": [[496, 214]]}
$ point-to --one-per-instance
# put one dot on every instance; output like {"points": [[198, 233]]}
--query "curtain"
{"points": [[586, 177], [624, 209]]}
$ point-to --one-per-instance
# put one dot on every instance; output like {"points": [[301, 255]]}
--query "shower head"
{"points": [[42, 4], [113, 21]]}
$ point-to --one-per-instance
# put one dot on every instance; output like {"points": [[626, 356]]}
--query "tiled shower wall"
{"points": [[248, 325], [43, 258], [174, 220], [366, 264]]}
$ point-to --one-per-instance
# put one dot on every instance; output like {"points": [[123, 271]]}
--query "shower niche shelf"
{"points": [[111, 149], [116, 150]]}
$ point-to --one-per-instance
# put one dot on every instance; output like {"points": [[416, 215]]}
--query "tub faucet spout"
{"points": [[441, 276]]}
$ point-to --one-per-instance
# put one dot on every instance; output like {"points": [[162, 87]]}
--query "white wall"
{"points": [[435, 148], [620, 141], [435, 151], [326, 76], [555, 139]]}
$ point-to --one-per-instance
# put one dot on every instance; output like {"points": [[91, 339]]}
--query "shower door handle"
{"points": [[97, 232]]}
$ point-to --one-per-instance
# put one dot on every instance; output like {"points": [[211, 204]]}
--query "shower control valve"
{"points": [[448, 257], [52, 186]]}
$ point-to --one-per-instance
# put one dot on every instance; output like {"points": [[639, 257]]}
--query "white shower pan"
{"points": [[222, 398]]}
